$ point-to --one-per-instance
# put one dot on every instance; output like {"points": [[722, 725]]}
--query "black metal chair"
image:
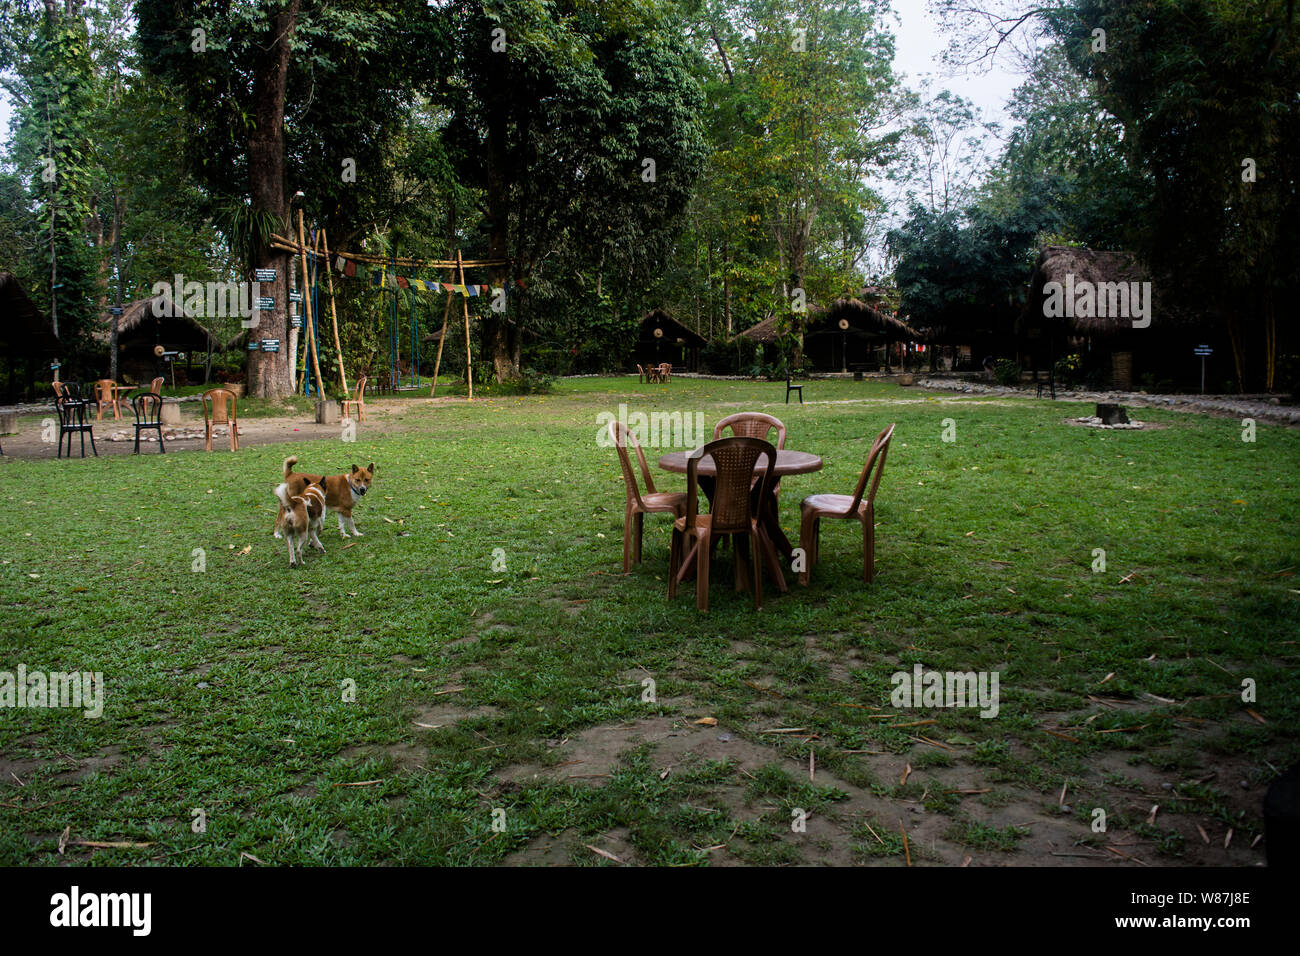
{"points": [[72, 421], [148, 415], [791, 387]]}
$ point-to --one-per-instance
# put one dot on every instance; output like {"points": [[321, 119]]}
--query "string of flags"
{"points": [[385, 277]]}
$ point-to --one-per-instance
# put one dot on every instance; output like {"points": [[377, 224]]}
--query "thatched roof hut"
{"points": [[140, 327], [25, 331], [1088, 292], [861, 318], [847, 333], [661, 338]]}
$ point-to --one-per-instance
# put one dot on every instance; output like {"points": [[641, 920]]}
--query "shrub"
{"points": [[1069, 371], [1006, 372]]}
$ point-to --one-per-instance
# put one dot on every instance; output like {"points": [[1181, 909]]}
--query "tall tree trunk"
{"points": [[500, 334], [268, 372]]}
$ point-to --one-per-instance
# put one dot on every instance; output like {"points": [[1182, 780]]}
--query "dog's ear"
{"points": [[372, 467], [355, 469]]}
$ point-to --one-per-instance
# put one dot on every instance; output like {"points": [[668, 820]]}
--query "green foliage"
{"points": [[1007, 372], [1068, 370]]}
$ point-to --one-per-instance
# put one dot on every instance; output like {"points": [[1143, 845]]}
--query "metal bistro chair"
{"points": [[72, 421], [148, 415], [640, 504], [791, 387], [224, 411], [732, 511], [816, 507]]}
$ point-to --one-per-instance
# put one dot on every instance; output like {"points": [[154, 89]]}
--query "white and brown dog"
{"points": [[342, 492], [301, 518]]}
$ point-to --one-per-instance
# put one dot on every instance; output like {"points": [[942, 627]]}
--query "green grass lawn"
{"points": [[499, 712]]}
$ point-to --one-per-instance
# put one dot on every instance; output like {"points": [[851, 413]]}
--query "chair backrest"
{"points": [[148, 408], [623, 436], [67, 390], [876, 463], [734, 461], [70, 409], [361, 388], [58, 389], [104, 390], [224, 406], [155, 387], [751, 425]]}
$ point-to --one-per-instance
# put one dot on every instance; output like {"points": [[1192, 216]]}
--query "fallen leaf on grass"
{"points": [[704, 722], [907, 772]]}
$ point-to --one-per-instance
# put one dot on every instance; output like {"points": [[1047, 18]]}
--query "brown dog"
{"points": [[342, 492], [301, 518]]}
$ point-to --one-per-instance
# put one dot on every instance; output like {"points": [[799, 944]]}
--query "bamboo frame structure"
{"points": [[338, 347], [306, 301]]}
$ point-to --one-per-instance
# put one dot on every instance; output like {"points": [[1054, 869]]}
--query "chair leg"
{"points": [[868, 548], [628, 517], [640, 530], [162, 449], [674, 557], [702, 574], [756, 549], [806, 525], [92, 445], [207, 438]]}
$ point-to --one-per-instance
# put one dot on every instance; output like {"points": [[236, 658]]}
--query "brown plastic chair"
{"points": [[155, 387], [359, 403], [751, 425], [640, 374], [732, 512], [665, 372], [639, 504], [754, 425], [816, 507], [223, 410], [106, 394]]}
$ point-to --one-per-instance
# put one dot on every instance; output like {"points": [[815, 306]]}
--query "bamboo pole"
{"points": [[469, 365], [306, 301], [288, 245], [442, 337], [338, 347]]}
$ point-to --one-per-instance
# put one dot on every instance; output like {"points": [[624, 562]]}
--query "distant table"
{"points": [[787, 463]]}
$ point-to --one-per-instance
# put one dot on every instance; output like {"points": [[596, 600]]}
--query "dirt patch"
{"points": [[448, 714], [569, 848]]}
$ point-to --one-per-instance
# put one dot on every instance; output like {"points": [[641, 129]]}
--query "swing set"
{"points": [[311, 264]]}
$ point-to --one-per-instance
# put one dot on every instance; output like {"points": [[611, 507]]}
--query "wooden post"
{"points": [[469, 366], [338, 348], [306, 301], [442, 337]]}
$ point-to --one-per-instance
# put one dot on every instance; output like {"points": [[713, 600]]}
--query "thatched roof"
{"points": [[1070, 267], [862, 318], [24, 329], [175, 328], [670, 330]]}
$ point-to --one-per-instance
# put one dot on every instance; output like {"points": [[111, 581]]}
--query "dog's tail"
{"points": [[288, 466], [282, 492]]}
